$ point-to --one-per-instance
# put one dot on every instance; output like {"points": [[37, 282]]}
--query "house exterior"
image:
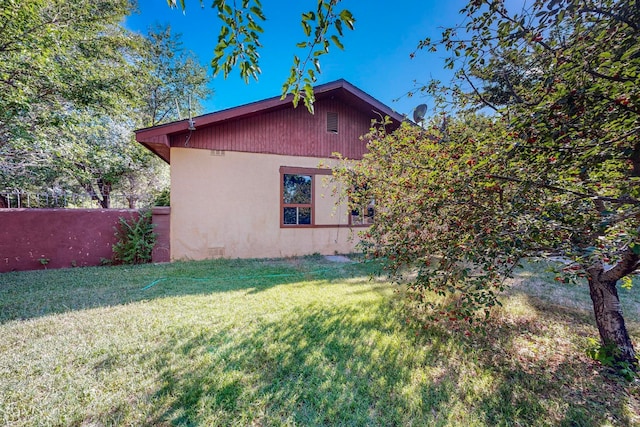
{"points": [[255, 181]]}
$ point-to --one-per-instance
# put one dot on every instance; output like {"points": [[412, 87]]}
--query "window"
{"points": [[363, 215], [297, 199], [307, 199], [332, 122]]}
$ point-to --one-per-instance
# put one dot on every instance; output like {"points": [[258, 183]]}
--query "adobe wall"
{"points": [[60, 237], [161, 217]]}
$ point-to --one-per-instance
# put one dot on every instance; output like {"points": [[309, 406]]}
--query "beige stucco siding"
{"points": [[227, 204], [328, 209]]}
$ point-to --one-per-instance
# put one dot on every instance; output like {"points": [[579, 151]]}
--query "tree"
{"points": [[554, 171], [55, 54], [175, 82], [439, 211], [101, 154], [238, 42], [90, 147], [57, 58], [99, 157]]}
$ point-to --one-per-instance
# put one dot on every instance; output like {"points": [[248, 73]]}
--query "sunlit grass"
{"points": [[288, 342]]}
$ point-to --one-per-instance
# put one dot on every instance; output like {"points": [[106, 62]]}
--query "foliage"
{"points": [[56, 54], [58, 60], [93, 150], [163, 198], [96, 153], [322, 27], [440, 212], [135, 240], [105, 155], [239, 42], [173, 78], [563, 74], [553, 172], [608, 355]]}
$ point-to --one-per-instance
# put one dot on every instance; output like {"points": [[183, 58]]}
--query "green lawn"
{"points": [[297, 341]]}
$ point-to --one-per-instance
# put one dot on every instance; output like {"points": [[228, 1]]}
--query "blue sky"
{"points": [[375, 59]]}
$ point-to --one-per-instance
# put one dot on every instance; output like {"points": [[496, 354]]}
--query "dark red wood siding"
{"points": [[288, 131]]}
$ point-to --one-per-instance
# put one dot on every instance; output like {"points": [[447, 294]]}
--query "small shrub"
{"points": [[607, 355], [163, 199], [135, 240]]}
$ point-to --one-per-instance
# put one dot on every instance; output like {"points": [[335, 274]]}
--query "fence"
{"points": [[67, 199], [32, 239]]}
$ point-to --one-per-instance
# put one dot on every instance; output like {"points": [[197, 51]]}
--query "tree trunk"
{"points": [[105, 191], [608, 314], [105, 202]]}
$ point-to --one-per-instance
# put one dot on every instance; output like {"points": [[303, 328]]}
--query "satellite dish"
{"points": [[419, 113]]}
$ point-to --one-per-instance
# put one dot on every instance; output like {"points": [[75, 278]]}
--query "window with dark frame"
{"points": [[297, 199]]}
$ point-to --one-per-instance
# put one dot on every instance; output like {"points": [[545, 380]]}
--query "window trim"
{"points": [[293, 170], [312, 172]]}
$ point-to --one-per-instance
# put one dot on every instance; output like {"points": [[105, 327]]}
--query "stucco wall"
{"points": [[227, 204], [161, 218], [328, 209]]}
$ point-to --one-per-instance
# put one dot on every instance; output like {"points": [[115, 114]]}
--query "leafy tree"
{"points": [[98, 156], [553, 172], [57, 58], [238, 42], [56, 54], [102, 155], [439, 211], [92, 149], [176, 82]]}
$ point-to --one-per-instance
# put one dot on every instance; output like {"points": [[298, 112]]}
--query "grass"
{"points": [[292, 342]]}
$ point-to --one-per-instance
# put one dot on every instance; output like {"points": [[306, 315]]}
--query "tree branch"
{"points": [[627, 265], [477, 92], [617, 17], [619, 200]]}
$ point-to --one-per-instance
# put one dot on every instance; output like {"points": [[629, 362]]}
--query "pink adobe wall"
{"points": [[161, 216], [66, 237]]}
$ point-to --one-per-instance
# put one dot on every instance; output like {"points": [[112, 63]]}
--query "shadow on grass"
{"points": [[31, 294], [543, 362], [342, 364], [360, 366], [316, 366]]}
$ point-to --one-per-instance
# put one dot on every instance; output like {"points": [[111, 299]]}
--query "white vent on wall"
{"points": [[332, 122], [217, 251], [217, 152]]}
